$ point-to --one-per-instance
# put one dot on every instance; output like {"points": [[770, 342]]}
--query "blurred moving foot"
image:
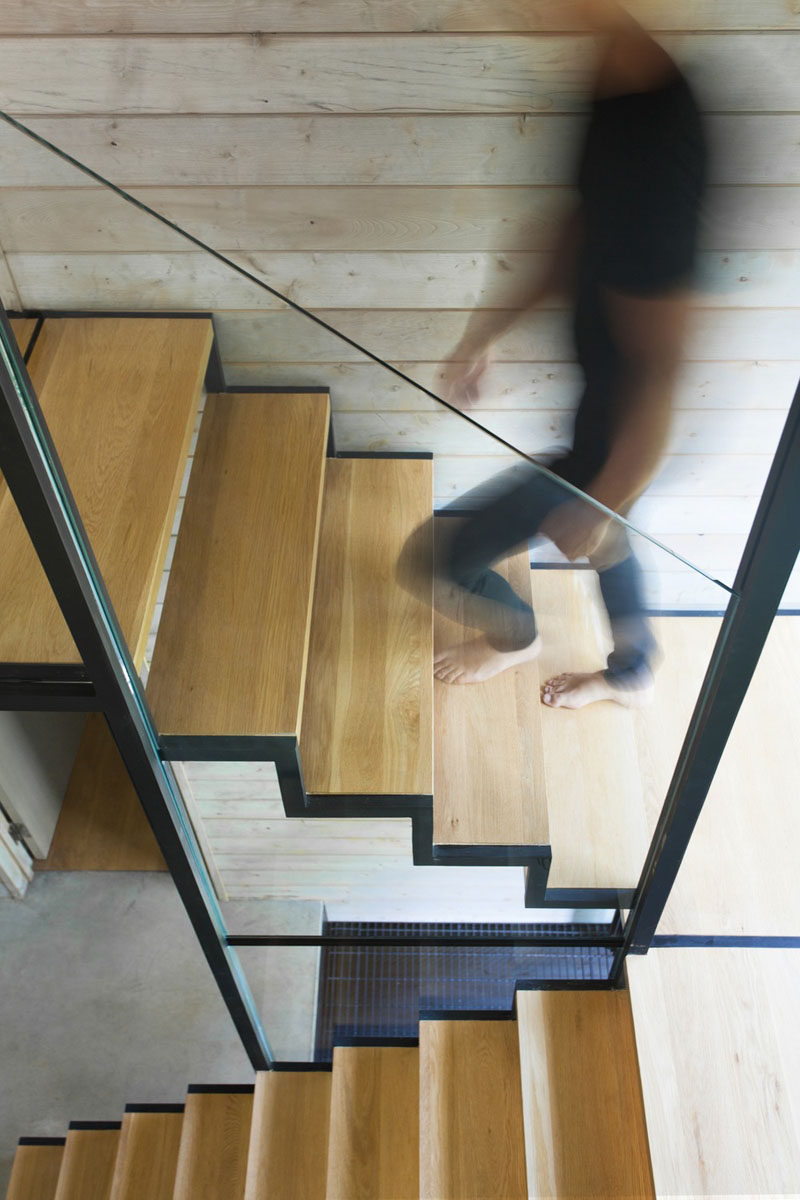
{"points": [[477, 661]]}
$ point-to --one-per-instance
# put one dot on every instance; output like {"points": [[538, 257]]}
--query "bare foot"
{"points": [[578, 690], [477, 661]]}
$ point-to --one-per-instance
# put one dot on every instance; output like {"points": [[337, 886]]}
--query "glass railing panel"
{"points": [[385, 369]]}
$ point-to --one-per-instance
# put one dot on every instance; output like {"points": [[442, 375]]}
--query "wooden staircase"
{"points": [[286, 638], [547, 1104]]}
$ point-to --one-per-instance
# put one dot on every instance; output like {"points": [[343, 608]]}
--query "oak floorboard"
{"points": [[147, 1158], [367, 720], [373, 1152], [489, 777], [585, 1132], [35, 1171], [471, 1126], [139, 383], [88, 1164], [719, 1057], [243, 570], [212, 1161], [289, 1139]]}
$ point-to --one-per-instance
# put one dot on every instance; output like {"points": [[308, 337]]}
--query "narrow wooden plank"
{"points": [[368, 387], [207, 16], [737, 279], [212, 1161], [324, 150], [289, 1140], [88, 1164], [598, 822], [23, 328], [245, 562], [396, 73], [415, 335], [34, 1174], [374, 1130], [471, 1126], [585, 1132], [102, 826], [367, 719], [125, 483], [201, 829], [720, 1065], [399, 219], [147, 1158], [489, 778]]}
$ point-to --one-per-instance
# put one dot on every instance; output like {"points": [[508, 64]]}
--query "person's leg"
{"points": [[481, 598], [627, 678]]}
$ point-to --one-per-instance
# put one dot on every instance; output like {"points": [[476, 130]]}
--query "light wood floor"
{"points": [[719, 1057]]}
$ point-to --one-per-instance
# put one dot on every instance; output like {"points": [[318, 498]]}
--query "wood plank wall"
{"points": [[394, 164]]}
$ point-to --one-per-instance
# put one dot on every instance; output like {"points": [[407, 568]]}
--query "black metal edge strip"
{"points": [[36, 480], [33, 339], [155, 1108], [425, 455], [94, 1125], [766, 565], [330, 449], [214, 381], [254, 389], [44, 672], [416, 940], [221, 1089], [69, 697], [368, 1041], [288, 1065], [467, 1014], [490, 855], [42, 1141], [588, 898], [223, 748], [724, 941], [566, 985]]}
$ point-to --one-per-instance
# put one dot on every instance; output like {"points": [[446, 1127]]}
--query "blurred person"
{"points": [[625, 256]]}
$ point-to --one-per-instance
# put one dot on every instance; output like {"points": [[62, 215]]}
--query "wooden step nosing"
{"points": [[221, 1089], [42, 1141], [83, 1126], [155, 1108]]}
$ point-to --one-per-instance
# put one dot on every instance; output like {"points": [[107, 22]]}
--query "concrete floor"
{"points": [[105, 999]]}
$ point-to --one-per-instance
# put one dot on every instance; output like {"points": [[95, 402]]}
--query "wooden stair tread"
{"points": [[289, 1140], [471, 1127], [212, 1161], [374, 1129], [367, 720], [34, 1174], [489, 780], [147, 1157], [139, 382], [88, 1165], [101, 826], [231, 649], [585, 1131], [598, 822], [719, 1056]]}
